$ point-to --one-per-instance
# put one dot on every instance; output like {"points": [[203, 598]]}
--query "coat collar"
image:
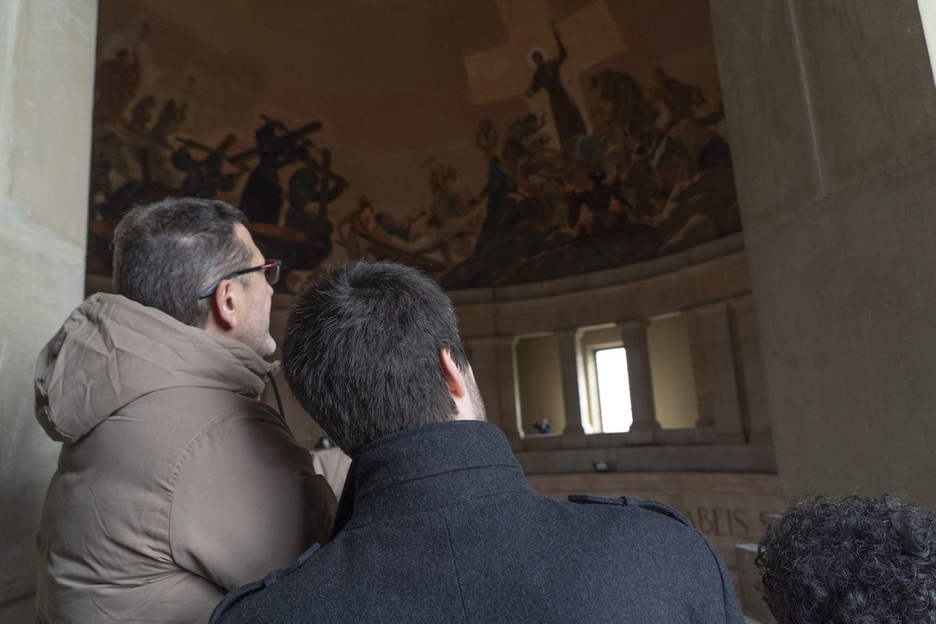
{"points": [[427, 467]]}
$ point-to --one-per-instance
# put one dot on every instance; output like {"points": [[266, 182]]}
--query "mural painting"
{"points": [[558, 141]]}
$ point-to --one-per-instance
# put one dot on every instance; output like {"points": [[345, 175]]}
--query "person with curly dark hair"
{"points": [[851, 560]]}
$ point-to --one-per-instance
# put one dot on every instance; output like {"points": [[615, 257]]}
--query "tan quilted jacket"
{"points": [[175, 483]]}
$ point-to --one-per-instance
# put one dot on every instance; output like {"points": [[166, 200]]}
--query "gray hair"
{"points": [[168, 252]]}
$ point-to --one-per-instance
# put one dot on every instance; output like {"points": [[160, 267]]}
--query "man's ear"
{"points": [[454, 378], [224, 307]]}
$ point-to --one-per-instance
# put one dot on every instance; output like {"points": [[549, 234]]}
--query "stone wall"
{"points": [[831, 108], [46, 78], [709, 284]]}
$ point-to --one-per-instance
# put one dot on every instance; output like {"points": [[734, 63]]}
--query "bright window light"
{"points": [[613, 390]]}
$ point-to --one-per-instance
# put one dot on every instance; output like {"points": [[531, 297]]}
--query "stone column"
{"points": [[833, 150], [750, 366], [716, 382], [570, 363], [493, 363], [634, 339], [508, 395], [46, 93]]}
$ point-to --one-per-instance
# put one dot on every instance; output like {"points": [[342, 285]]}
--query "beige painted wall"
{"points": [[46, 77], [674, 391], [539, 382], [834, 146]]}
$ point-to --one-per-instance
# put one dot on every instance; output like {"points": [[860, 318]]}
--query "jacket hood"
{"points": [[112, 351]]}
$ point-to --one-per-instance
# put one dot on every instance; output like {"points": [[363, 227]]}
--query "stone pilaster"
{"points": [[573, 382], [750, 369], [493, 362], [634, 339], [716, 381]]}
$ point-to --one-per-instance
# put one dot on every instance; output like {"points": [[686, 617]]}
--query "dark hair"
{"points": [[168, 252], [361, 352], [852, 560]]}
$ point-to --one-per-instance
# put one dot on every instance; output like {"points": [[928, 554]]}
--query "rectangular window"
{"points": [[614, 398]]}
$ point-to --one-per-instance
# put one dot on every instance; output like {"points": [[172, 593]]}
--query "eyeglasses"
{"points": [[271, 271]]}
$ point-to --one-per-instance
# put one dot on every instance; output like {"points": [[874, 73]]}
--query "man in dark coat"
{"points": [[437, 522]]}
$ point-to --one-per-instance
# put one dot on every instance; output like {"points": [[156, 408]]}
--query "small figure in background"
{"points": [[542, 425]]}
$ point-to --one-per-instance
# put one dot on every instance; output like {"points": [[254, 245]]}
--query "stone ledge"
{"points": [[663, 265], [732, 458]]}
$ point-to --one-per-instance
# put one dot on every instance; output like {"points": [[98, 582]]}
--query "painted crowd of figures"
{"points": [[651, 177]]}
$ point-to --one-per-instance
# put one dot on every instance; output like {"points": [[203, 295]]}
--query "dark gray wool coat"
{"points": [[439, 524]]}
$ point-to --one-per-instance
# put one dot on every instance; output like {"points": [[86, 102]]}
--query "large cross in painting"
{"points": [[589, 36], [586, 138]]}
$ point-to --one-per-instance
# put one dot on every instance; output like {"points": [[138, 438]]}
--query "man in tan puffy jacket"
{"points": [[175, 483]]}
